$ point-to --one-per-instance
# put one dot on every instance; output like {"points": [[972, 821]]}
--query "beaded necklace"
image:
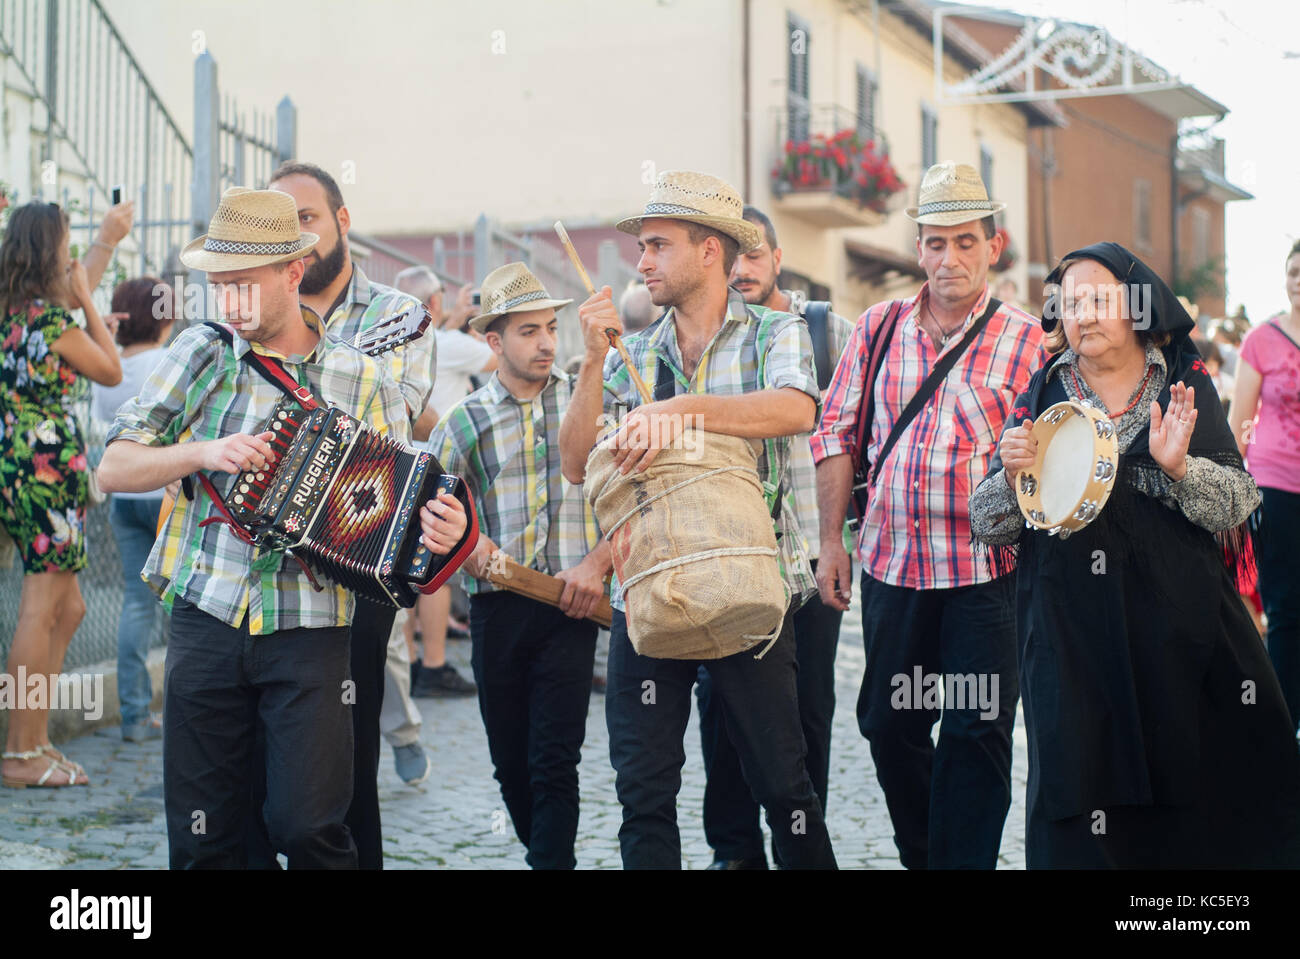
{"points": [[1141, 389]]}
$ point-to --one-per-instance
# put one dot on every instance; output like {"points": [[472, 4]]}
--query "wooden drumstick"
{"points": [[615, 340]]}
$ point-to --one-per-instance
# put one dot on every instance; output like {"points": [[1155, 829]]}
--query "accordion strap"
{"points": [[240, 532], [271, 369]]}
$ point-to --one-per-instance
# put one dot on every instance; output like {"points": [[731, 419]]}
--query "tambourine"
{"points": [[1073, 474]]}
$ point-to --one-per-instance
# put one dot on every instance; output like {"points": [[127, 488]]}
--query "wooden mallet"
{"points": [[615, 340]]}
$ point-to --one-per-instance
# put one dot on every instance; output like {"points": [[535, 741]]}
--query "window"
{"points": [[866, 104], [929, 138], [986, 169], [1142, 214], [797, 104]]}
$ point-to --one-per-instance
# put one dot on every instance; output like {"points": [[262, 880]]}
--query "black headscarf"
{"points": [[1163, 313]]}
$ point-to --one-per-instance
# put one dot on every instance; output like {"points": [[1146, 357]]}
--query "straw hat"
{"points": [[251, 228], [952, 193], [697, 198], [512, 289]]}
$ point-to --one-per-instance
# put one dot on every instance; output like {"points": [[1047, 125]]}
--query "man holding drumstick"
{"points": [[744, 371], [930, 606], [532, 661]]}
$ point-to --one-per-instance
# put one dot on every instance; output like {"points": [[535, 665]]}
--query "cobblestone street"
{"points": [[456, 818]]}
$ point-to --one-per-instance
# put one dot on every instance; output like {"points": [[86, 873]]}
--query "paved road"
{"points": [[456, 819]]}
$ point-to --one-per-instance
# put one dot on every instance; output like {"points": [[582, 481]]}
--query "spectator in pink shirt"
{"points": [[1266, 423]]}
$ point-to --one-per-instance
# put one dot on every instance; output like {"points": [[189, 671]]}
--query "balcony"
{"points": [[829, 171]]}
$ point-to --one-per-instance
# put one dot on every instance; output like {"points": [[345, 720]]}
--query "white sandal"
{"points": [[48, 749], [43, 782]]}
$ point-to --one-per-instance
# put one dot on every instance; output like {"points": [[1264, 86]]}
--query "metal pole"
{"points": [[51, 72], [207, 169], [286, 131]]}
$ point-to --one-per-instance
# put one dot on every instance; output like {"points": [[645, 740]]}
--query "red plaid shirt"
{"points": [[917, 529]]}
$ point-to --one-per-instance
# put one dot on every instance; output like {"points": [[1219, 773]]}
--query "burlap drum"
{"points": [[693, 547]]}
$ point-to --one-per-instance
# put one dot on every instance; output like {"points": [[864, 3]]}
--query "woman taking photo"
{"points": [[1266, 423], [1158, 736], [44, 348], [143, 308]]}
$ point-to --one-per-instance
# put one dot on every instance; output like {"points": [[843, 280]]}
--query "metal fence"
{"points": [[102, 123]]}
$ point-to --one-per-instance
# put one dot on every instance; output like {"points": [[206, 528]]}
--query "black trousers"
{"points": [[533, 666], [225, 690], [730, 811], [647, 707], [948, 804], [372, 624], [1279, 588]]}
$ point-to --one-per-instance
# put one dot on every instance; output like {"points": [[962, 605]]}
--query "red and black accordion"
{"points": [[345, 501]]}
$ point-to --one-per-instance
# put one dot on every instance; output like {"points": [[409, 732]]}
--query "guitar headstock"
{"points": [[394, 331]]}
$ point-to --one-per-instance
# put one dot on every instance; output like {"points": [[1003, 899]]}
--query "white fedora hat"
{"points": [[952, 193], [250, 228], [512, 289], [697, 198]]}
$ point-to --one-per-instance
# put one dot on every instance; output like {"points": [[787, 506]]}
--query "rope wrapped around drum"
{"points": [[693, 547]]}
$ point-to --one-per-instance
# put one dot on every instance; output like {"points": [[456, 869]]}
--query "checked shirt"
{"points": [[508, 452], [917, 530], [203, 390]]}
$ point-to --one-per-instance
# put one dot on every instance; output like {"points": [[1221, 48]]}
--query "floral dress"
{"points": [[44, 477]]}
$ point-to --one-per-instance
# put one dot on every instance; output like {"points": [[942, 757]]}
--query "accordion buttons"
{"points": [[243, 487], [239, 498]]}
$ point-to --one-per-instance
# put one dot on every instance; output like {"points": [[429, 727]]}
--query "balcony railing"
{"points": [[829, 169]]}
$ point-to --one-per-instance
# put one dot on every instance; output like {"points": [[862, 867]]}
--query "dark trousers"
{"points": [[948, 804], [533, 665], [1279, 589], [223, 689], [372, 623], [647, 707], [730, 810]]}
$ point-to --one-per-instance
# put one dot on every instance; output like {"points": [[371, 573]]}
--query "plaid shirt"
{"points": [[412, 366], [802, 476], [755, 349], [917, 530], [202, 390], [508, 452]]}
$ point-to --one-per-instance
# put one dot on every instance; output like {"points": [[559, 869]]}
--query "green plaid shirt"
{"points": [[412, 366], [802, 477], [756, 349], [202, 390], [508, 452]]}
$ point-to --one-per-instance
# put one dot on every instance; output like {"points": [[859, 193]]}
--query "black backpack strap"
{"points": [[817, 315], [931, 384]]}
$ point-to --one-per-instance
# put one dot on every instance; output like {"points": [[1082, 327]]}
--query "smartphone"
{"points": [[117, 195], [476, 299]]}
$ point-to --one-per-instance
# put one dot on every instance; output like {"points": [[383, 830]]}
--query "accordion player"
{"points": [[345, 502]]}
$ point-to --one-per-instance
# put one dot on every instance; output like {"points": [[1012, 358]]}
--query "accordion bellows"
{"points": [[346, 500]]}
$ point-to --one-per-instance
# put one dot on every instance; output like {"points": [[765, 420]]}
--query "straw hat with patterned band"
{"points": [[251, 228], [512, 289], [697, 198], [952, 193]]}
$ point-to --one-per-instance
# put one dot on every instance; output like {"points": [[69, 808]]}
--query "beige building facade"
{"points": [[431, 114]]}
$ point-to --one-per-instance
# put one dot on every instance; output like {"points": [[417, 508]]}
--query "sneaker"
{"points": [[144, 730], [412, 763], [443, 681]]}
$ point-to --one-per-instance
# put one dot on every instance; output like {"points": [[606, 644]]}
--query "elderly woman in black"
{"points": [[1158, 736]]}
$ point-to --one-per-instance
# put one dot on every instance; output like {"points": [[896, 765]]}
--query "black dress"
{"points": [[1158, 735]]}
